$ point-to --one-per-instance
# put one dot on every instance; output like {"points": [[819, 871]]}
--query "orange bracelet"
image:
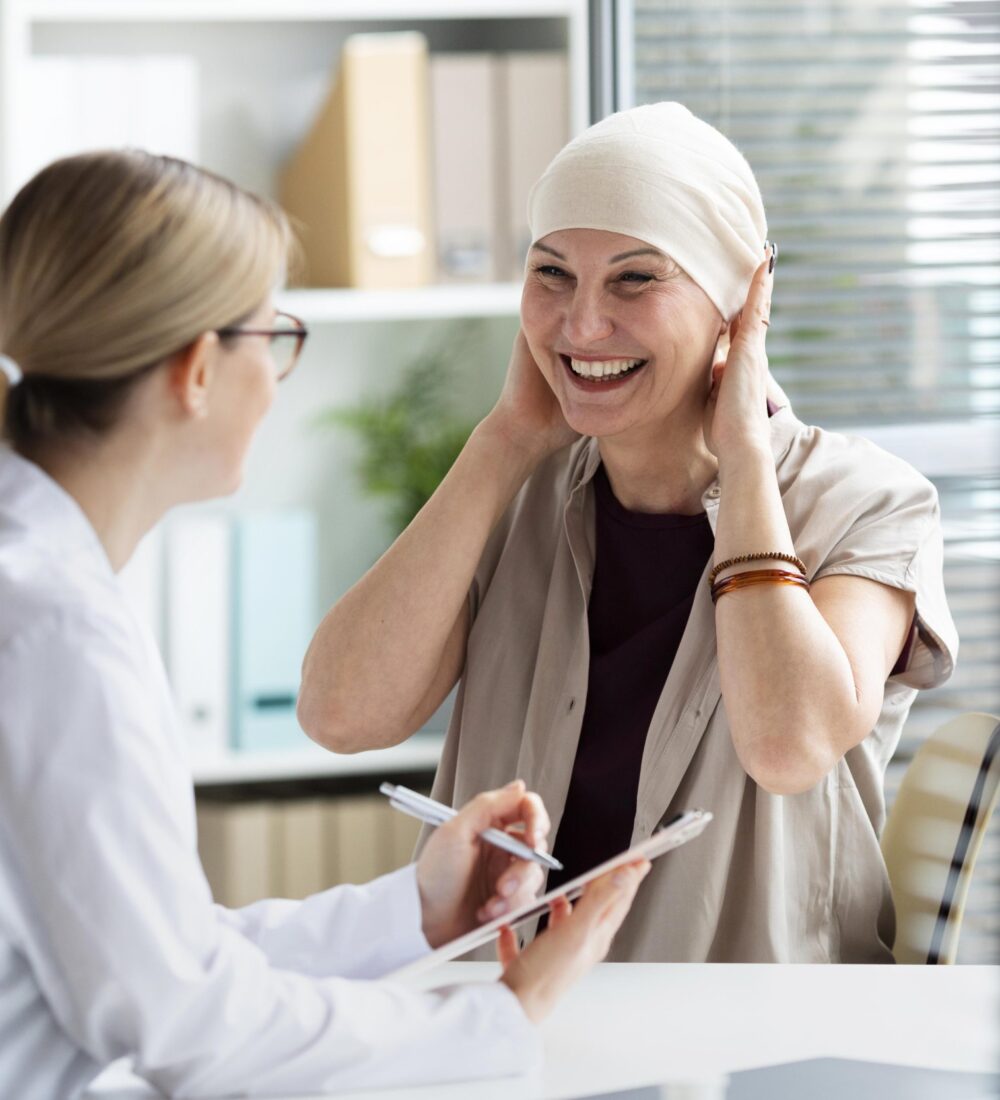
{"points": [[758, 576]]}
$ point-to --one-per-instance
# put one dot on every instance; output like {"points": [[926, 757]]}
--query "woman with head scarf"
{"points": [[655, 586]]}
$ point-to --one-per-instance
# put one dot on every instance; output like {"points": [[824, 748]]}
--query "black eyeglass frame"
{"points": [[299, 332]]}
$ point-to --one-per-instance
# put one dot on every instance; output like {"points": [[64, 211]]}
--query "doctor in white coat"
{"points": [[140, 349]]}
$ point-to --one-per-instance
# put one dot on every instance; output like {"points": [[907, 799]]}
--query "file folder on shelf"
{"points": [[274, 616], [535, 110], [236, 850], [359, 184], [291, 848], [110, 102], [299, 843], [466, 143], [197, 629]]}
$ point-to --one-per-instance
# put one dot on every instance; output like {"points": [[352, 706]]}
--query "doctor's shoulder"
{"points": [[45, 586], [59, 632]]}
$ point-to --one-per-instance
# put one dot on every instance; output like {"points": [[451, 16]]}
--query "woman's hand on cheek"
{"points": [[736, 409], [527, 413]]}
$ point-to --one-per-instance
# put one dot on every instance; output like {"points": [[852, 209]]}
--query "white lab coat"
{"points": [[110, 944]]}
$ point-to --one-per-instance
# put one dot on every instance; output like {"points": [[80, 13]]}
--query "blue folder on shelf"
{"points": [[274, 613]]}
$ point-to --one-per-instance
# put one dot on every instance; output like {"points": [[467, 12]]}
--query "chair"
{"points": [[934, 832]]}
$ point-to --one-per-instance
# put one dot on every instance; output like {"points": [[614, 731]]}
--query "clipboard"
{"points": [[684, 827]]}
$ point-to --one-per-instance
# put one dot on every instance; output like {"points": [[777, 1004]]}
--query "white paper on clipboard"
{"points": [[681, 829]]}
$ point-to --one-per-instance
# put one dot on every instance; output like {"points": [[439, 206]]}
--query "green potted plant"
{"points": [[411, 436]]}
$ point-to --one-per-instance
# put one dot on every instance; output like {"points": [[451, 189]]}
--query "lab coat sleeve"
{"points": [[347, 932], [129, 950]]}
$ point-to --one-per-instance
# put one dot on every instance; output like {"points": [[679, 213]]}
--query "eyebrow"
{"points": [[614, 259]]}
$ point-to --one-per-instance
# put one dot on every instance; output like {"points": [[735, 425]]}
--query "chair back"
{"points": [[934, 832]]}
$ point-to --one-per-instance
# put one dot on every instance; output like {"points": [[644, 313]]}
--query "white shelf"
{"points": [[245, 11], [424, 303], [420, 753]]}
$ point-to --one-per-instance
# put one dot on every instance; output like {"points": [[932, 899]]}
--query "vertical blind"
{"points": [[873, 127]]}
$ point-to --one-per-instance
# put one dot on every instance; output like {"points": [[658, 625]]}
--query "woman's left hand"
{"points": [[464, 881], [736, 410]]}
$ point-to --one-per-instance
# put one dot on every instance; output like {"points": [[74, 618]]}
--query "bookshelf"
{"points": [[264, 66], [267, 63]]}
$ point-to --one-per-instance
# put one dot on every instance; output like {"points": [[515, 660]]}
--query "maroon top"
{"points": [[647, 569]]}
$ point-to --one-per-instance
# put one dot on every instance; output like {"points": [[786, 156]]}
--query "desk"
{"points": [[628, 1025]]}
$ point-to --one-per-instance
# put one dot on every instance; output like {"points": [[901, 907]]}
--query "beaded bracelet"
{"points": [[757, 576], [767, 555]]}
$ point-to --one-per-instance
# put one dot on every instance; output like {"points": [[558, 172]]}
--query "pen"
{"points": [[436, 813]]}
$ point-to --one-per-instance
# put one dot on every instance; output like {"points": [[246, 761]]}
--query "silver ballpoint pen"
{"points": [[436, 813]]}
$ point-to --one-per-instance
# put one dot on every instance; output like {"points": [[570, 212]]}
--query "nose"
{"points": [[587, 321]]}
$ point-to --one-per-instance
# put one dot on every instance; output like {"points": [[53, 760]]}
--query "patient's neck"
{"points": [[663, 467]]}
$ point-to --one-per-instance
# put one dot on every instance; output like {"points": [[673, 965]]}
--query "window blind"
{"points": [[873, 127]]}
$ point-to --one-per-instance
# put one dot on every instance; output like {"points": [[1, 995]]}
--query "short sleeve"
{"points": [[894, 537]]}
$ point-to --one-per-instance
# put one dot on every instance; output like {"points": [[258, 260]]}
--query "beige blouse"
{"points": [[795, 878]]}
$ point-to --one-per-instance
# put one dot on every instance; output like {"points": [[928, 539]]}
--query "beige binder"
{"points": [[359, 185], [535, 109], [465, 139], [357, 828], [236, 849], [299, 837], [404, 833]]}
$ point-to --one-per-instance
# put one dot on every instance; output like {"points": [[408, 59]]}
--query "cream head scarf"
{"points": [[661, 175]]}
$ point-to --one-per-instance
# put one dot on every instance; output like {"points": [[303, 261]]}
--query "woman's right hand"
{"points": [[577, 937], [527, 413]]}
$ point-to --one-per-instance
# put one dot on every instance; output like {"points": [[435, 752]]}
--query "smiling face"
{"points": [[623, 336]]}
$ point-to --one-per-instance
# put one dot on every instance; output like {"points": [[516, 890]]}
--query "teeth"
{"points": [[605, 369]]}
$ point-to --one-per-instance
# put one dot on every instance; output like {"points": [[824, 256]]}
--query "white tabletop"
{"points": [[634, 1025]]}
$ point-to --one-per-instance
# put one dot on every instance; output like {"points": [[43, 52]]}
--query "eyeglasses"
{"points": [[286, 337]]}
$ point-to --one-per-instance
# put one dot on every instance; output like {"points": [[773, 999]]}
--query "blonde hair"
{"points": [[110, 262]]}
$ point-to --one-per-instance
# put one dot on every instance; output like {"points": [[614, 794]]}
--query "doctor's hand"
{"points": [[576, 938], [464, 881]]}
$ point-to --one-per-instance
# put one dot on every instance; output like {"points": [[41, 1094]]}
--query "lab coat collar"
{"points": [[36, 507]]}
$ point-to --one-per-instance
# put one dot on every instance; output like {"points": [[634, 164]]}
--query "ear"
{"points": [[723, 339], [190, 374]]}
